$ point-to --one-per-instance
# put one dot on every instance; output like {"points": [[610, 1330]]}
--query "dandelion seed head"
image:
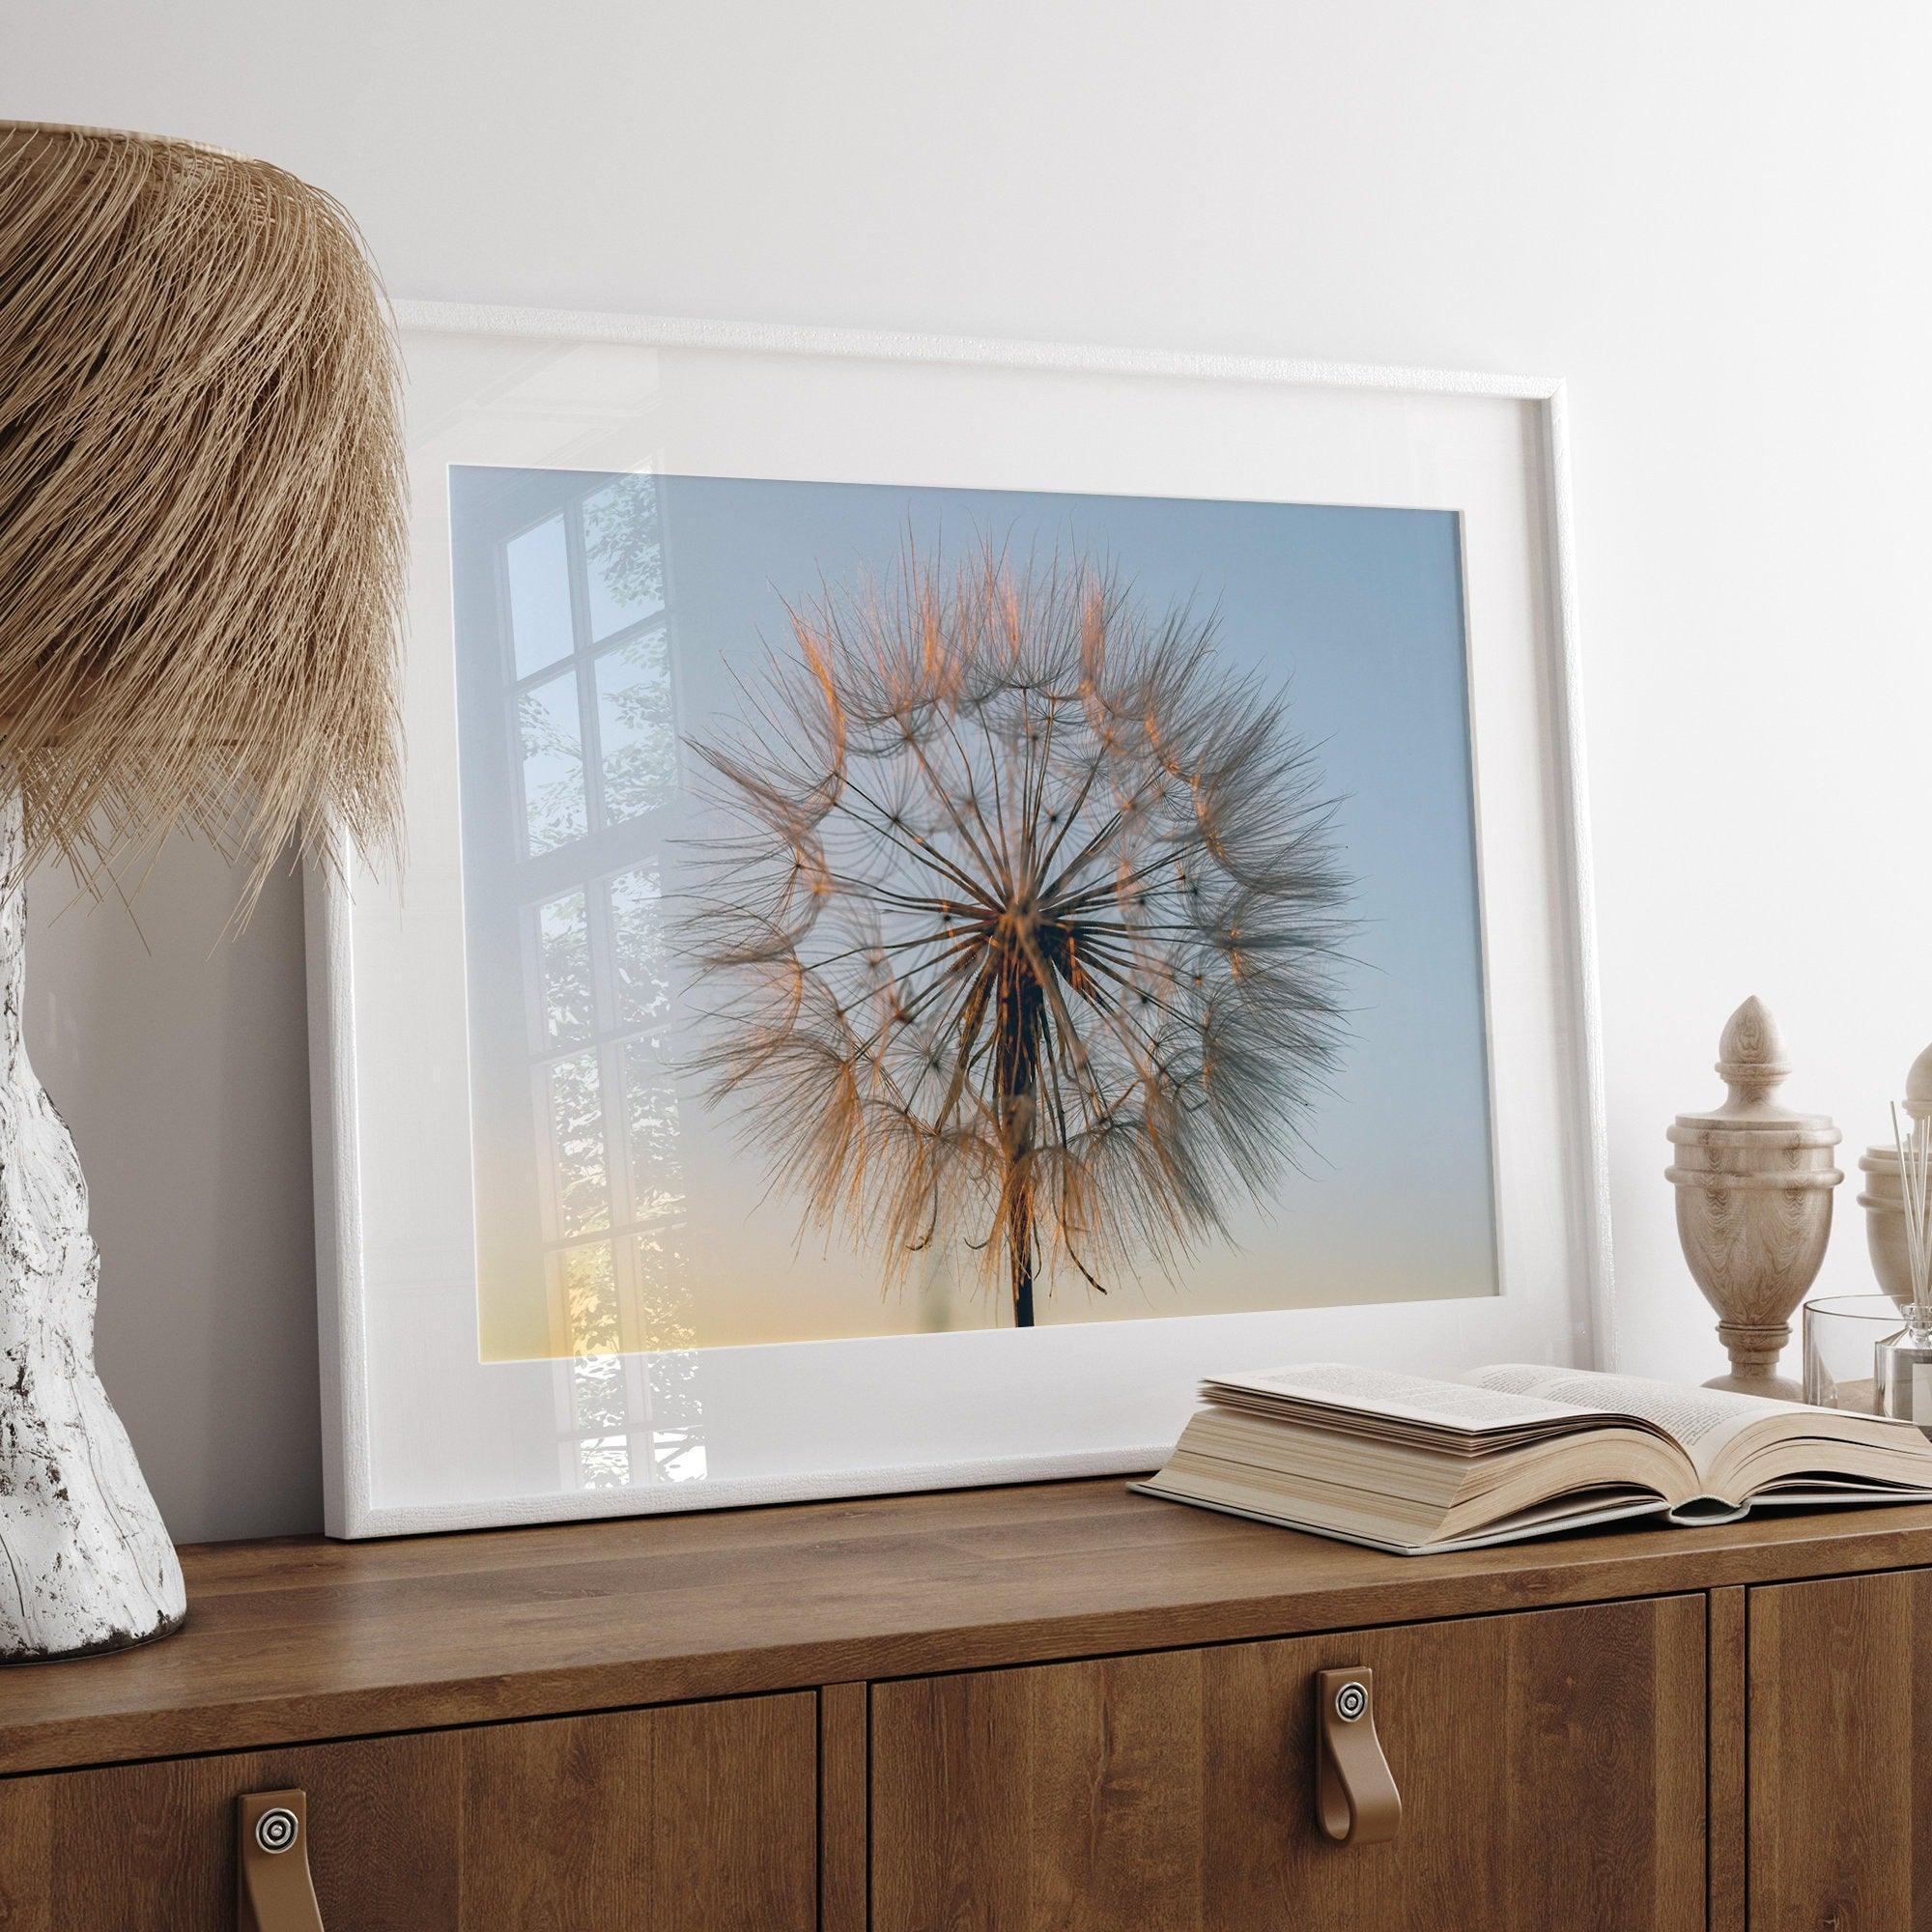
{"points": [[1029, 922]]}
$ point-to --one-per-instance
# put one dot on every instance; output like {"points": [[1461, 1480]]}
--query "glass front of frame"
{"points": [[608, 628], [648, 1175]]}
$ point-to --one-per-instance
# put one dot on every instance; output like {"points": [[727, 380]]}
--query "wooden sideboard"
{"points": [[998, 1711]]}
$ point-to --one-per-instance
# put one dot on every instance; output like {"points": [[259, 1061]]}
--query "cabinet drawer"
{"points": [[1839, 1730], [1550, 1764], [689, 1818]]}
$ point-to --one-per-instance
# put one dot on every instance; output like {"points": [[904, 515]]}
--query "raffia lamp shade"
{"points": [[201, 502], [201, 552]]}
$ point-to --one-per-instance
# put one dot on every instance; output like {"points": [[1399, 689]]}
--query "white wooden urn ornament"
{"points": [[1755, 1183], [1884, 1196], [202, 541], [1898, 1228]]}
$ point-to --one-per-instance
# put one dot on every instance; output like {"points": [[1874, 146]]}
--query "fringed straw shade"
{"points": [[202, 526]]}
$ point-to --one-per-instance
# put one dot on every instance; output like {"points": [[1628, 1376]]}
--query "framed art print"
{"points": [[953, 889]]}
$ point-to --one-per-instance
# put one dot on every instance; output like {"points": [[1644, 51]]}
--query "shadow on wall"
{"points": [[179, 1059]]}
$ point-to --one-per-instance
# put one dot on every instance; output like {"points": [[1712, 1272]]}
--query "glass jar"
{"points": [[1841, 1332]]}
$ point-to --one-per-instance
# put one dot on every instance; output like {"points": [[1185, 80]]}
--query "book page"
{"points": [[1576, 1512], [1460, 1406], [1704, 1421]]}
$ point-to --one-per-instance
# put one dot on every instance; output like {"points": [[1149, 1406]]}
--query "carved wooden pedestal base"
{"points": [[1755, 1352]]}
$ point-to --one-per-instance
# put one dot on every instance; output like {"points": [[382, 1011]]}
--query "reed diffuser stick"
{"points": [[1913, 1135]]}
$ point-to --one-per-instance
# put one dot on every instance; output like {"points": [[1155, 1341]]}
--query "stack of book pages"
{"points": [[1411, 1464]]}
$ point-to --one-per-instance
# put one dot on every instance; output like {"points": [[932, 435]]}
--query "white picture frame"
{"points": [[420, 1433]]}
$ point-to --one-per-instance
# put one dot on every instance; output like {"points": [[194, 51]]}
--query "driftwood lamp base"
{"points": [[85, 1562]]}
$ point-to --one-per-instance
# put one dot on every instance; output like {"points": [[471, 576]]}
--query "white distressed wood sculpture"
{"points": [[85, 1563], [1754, 1184]]}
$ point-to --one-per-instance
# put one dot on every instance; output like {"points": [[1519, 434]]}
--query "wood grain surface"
{"points": [[697, 1818], [1841, 1732], [303, 1640], [844, 1772], [1550, 1764], [1725, 1781]]}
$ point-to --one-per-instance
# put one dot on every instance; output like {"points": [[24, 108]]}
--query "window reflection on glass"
{"points": [[551, 742], [638, 945], [676, 1415], [579, 1165], [599, 1406], [590, 1306], [563, 963], [651, 1135], [538, 567], [598, 1399], [677, 1454], [603, 1461], [583, 652], [623, 556], [636, 727]]}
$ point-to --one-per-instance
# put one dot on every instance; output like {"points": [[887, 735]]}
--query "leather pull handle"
{"points": [[273, 1890], [1356, 1798]]}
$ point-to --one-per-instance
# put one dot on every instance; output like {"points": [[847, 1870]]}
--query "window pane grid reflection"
{"points": [[590, 667], [590, 682]]}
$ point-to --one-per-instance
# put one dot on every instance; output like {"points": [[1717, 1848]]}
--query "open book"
{"points": [[1407, 1463]]}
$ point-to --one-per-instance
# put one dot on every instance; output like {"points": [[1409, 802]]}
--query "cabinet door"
{"points": [[691, 1818], [1838, 1739], [1550, 1764]]}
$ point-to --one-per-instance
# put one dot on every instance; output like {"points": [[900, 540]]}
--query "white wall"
{"points": [[1710, 217]]}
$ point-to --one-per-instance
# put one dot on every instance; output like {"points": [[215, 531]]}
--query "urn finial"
{"points": [[1754, 1181], [1751, 1061], [1918, 1087]]}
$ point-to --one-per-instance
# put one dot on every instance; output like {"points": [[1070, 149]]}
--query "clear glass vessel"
{"points": [[1842, 1334]]}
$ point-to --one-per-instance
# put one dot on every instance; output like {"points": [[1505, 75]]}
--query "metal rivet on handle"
{"points": [[1352, 1701], [277, 1829]]}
